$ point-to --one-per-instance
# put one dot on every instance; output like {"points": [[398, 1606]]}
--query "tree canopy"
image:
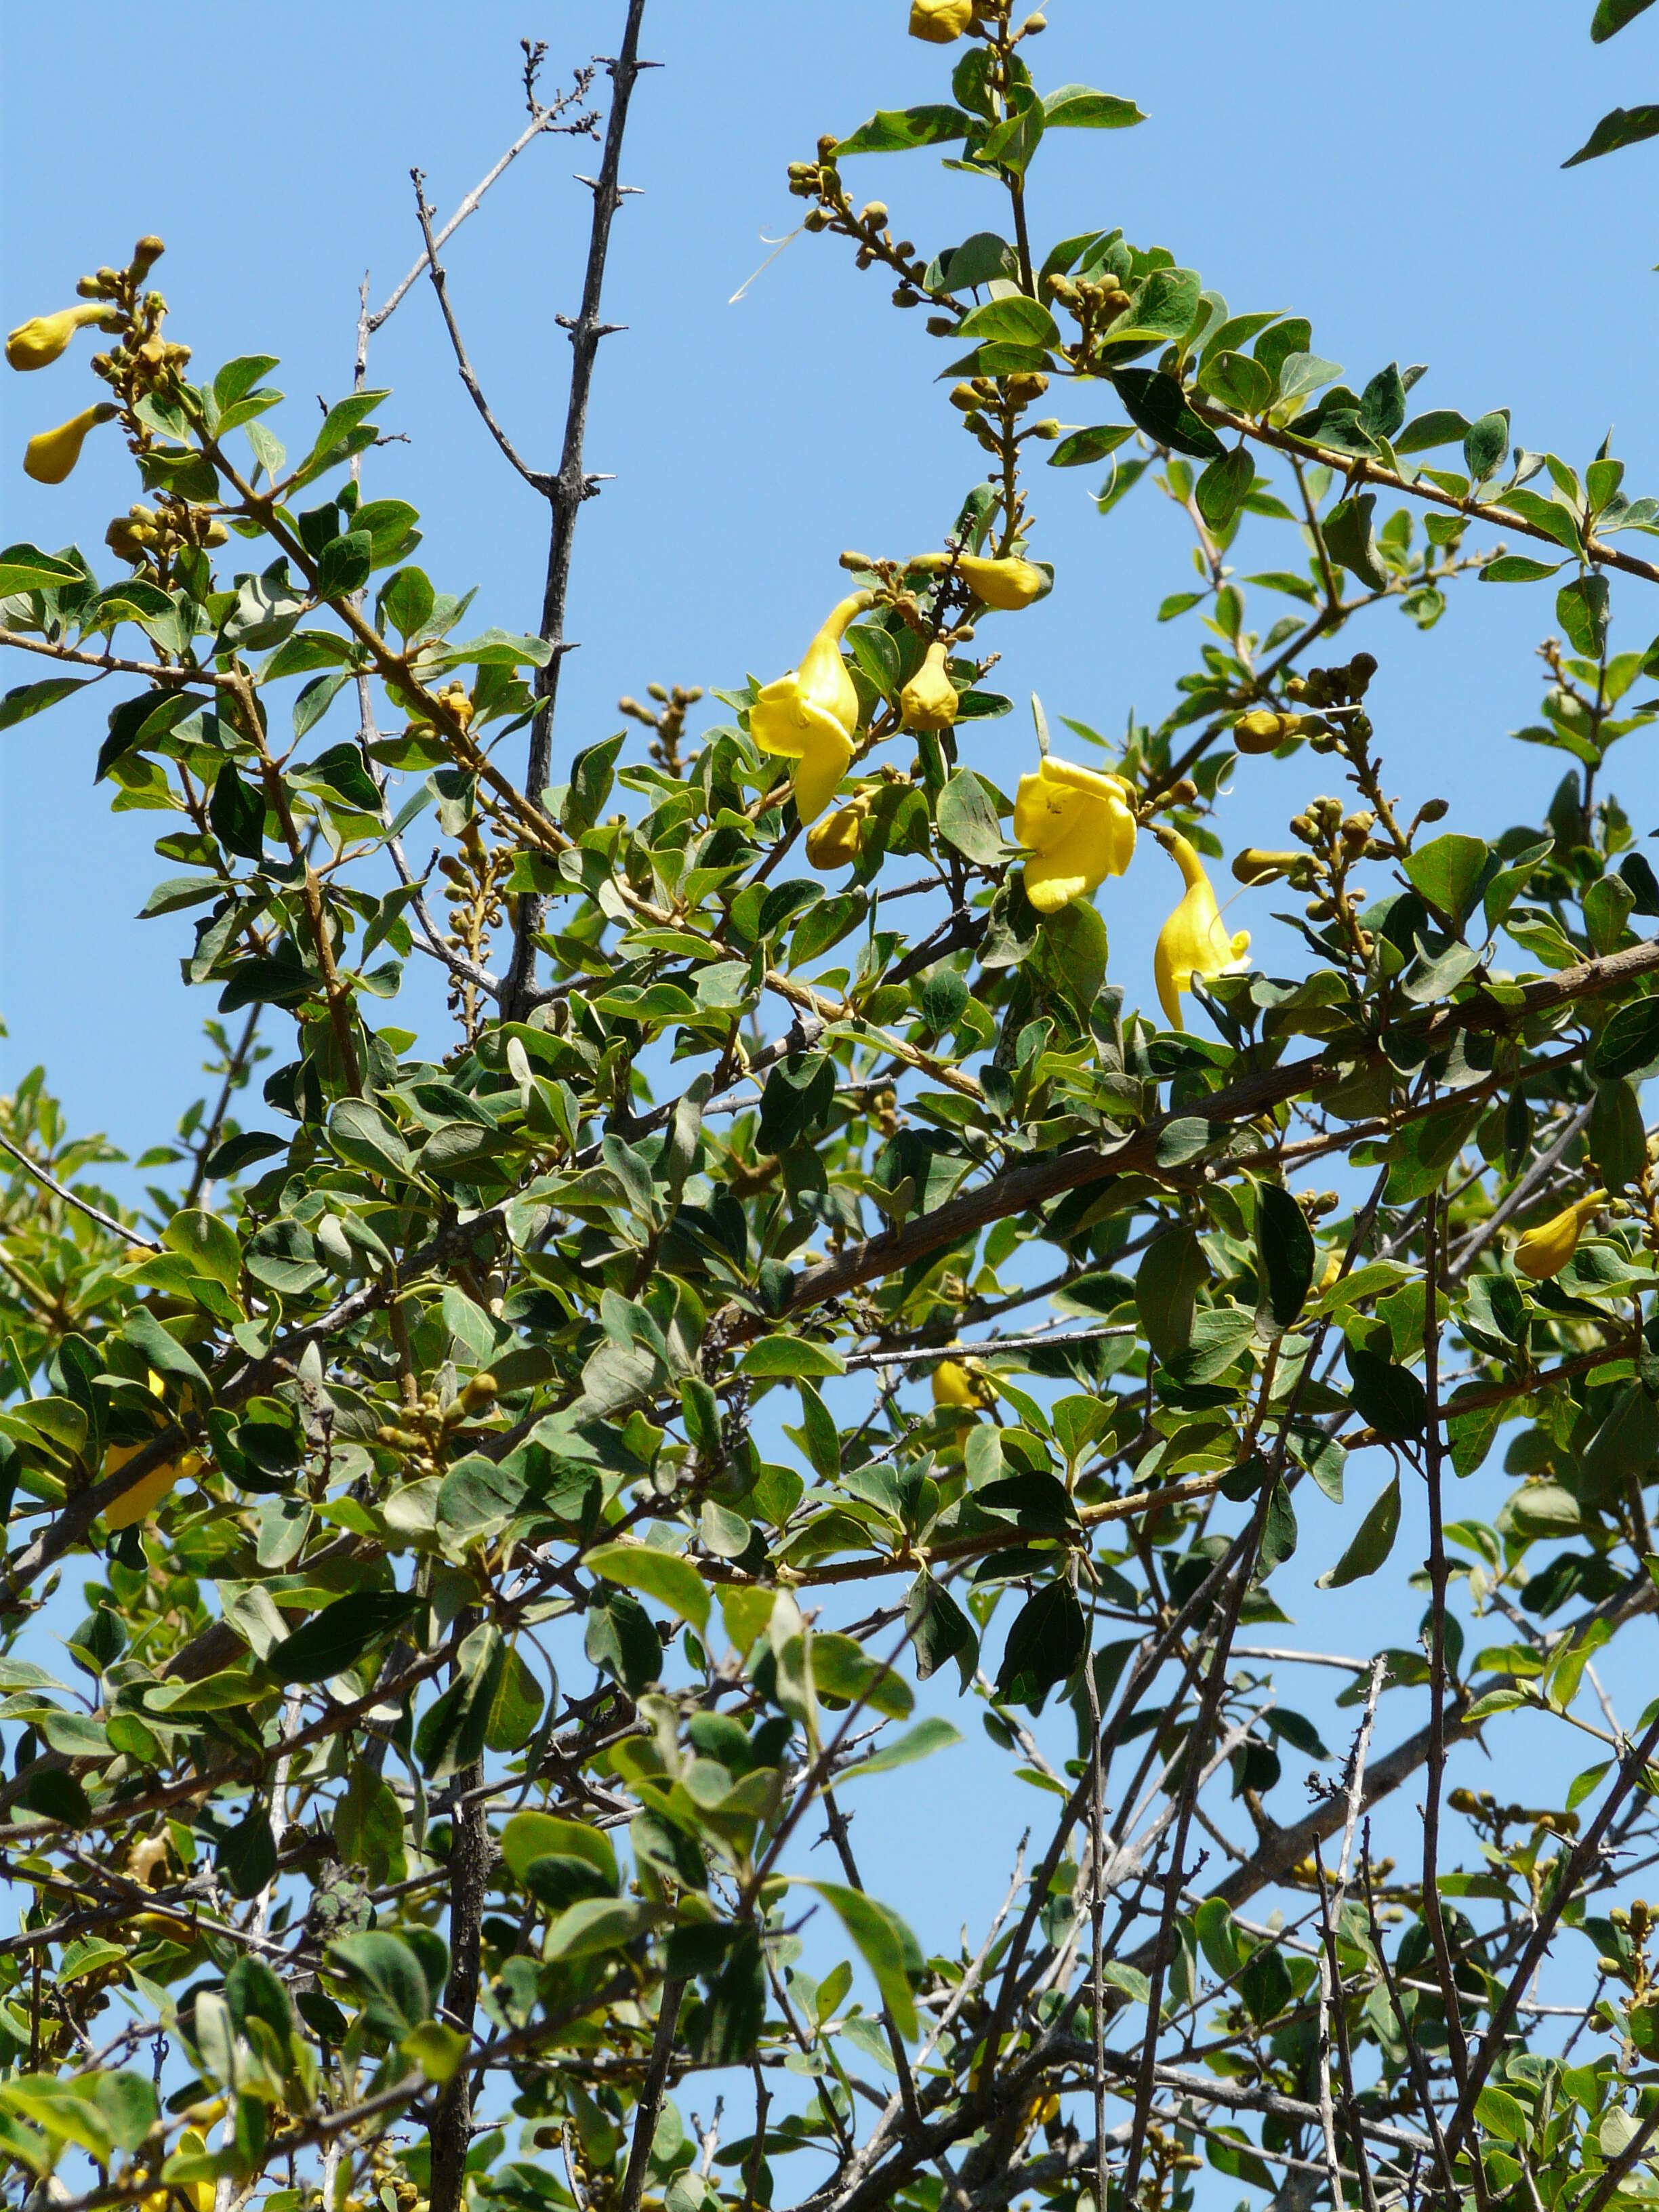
{"points": [[520, 1481]]}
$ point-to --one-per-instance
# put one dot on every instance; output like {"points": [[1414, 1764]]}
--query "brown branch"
{"points": [[570, 488]]}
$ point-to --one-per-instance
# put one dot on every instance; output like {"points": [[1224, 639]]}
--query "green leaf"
{"points": [[361, 1134], [934, 1734], [338, 1635], [1486, 442], [790, 1356], [1285, 1251], [1611, 15], [1582, 608], [452, 1730], [1156, 403], [1348, 539], [1011, 320], [1075, 107], [406, 600], [968, 818], [1222, 488], [163, 1351], [1047, 1639], [1440, 426], [26, 568], [344, 566], [1075, 950], [668, 1576], [1629, 1041], [884, 1943], [1372, 1542], [1167, 1282], [27, 699], [387, 1974], [1080, 447], [1448, 873], [529, 1836], [246, 1857], [1163, 306], [1614, 1134], [1013, 142], [1277, 1531], [1620, 126], [517, 1707], [1389, 1398], [896, 130], [1518, 568]]}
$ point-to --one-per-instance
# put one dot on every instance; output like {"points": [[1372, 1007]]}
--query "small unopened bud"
{"points": [[483, 1390], [1432, 810], [873, 215]]}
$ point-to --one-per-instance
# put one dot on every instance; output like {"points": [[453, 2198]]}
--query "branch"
{"points": [[570, 488], [536, 478], [85, 1205]]}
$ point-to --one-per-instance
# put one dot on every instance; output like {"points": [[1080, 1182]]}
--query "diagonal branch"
{"points": [[536, 478]]}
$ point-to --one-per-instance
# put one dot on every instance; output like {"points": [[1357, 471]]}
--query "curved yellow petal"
{"points": [[928, 700], [1543, 1251], [1006, 584], [49, 457], [1194, 941], [827, 758], [954, 1385], [137, 1504], [38, 343], [1078, 825], [940, 22]]}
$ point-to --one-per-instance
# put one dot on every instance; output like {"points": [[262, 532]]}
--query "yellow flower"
{"points": [[1543, 1251], [808, 716], [941, 22], [928, 700], [199, 2193], [38, 343], [1007, 586], [835, 842], [50, 456], [1078, 825], [956, 1385], [1193, 941], [137, 1504]]}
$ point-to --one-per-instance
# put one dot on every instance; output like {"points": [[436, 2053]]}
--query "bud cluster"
{"points": [[666, 720], [820, 181]]}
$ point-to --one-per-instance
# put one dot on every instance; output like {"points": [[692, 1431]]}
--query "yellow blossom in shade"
{"points": [[956, 1385], [1006, 584], [928, 700], [38, 343], [941, 22], [808, 716], [200, 2194], [50, 456], [1193, 941], [835, 842], [1079, 827], [1543, 1251], [137, 1504]]}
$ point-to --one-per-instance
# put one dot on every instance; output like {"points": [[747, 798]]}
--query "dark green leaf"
{"points": [[452, 1730], [1582, 609], [1285, 1251], [388, 1975], [27, 699], [1156, 403], [886, 1944], [1611, 15], [338, 1635], [1224, 487], [1372, 1543], [968, 818], [1075, 107], [1047, 1640], [1617, 1140], [344, 566], [1348, 539], [1082, 446], [246, 1857], [1486, 442], [26, 568], [1620, 126], [1630, 1041], [1390, 1398]]}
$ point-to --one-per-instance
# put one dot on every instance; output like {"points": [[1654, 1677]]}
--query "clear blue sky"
{"points": [[1393, 175]]}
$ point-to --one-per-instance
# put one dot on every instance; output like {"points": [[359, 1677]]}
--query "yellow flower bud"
{"points": [[1007, 586], [837, 841], [1542, 1251], [1193, 940], [1253, 866], [940, 22], [928, 700], [808, 716], [50, 456], [1261, 730], [1078, 827], [38, 343]]}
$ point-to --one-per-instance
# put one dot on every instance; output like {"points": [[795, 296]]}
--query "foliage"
{"points": [[518, 1482]]}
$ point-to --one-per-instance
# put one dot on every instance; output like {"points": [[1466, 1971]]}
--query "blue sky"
{"points": [[1393, 174]]}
